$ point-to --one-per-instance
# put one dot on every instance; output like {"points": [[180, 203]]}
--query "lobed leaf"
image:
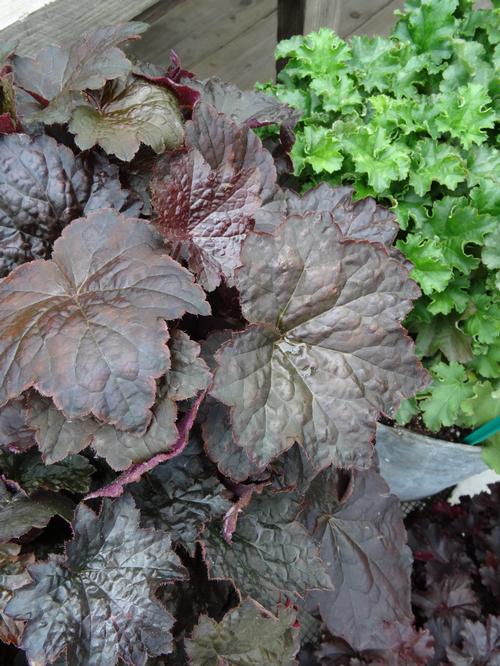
{"points": [[107, 286], [363, 543], [96, 603], [205, 198], [13, 575], [57, 74], [246, 636], [296, 375]]}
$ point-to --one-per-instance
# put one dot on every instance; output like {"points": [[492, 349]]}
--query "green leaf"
{"points": [[465, 114], [271, 555], [436, 162], [97, 601], [431, 270], [430, 26], [407, 410], [450, 388], [486, 197], [317, 147], [491, 250], [318, 54], [483, 405], [246, 636], [373, 153], [483, 317], [454, 297], [441, 334], [468, 65], [411, 209], [491, 455], [138, 112], [457, 224], [487, 361]]}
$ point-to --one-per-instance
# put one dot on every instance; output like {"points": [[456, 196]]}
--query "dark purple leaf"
{"points": [[363, 544], [448, 596], [97, 601], [57, 75], [363, 219], [108, 286], [186, 94], [248, 107], [13, 575], [328, 353], [19, 513], [15, 433], [42, 188], [205, 198], [270, 555]]}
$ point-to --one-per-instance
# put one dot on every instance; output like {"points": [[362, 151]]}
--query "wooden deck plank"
{"points": [[61, 21], [196, 30]]}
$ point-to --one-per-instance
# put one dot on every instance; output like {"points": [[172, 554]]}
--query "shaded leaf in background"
{"points": [[20, 513], [108, 285], [15, 433], [481, 644], [307, 286], [106, 581], [181, 495], [31, 473], [206, 198], [246, 636], [271, 554], [58, 74], [363, 542], [139, 112], [13, 575]]}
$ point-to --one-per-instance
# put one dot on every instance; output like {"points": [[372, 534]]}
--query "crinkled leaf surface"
{"points": [[97, 601], [481, 644], [29, 471], [139, 112], [363, 219], [15, 434], [248, 107], [363, 543], [246, 636], [181, 495], [328, 353], [57, 74], [13, 575], [107, 286], [42, 188], [270, 554], [20, 513], [58, 437], [206, 198]]}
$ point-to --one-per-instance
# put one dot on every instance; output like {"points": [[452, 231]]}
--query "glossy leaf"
{"points": [[106, 581], [363, 543], [15, 433], [42, 188], [108, 285], [270, 554], [307, 286], [205, 198], [138, 112], [57, 74]]}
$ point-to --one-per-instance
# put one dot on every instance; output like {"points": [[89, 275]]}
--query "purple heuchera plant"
{"points": [[204, 348]]}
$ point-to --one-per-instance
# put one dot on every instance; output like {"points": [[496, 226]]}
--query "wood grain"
{"points": [[61, 21]]}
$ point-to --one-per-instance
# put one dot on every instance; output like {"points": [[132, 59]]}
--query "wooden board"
{"points": [[60, 21]]}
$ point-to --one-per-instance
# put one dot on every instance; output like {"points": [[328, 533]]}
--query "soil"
{"points": [[449, 434]]}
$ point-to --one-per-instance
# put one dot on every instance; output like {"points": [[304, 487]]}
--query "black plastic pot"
{"points": [[416, 466]]}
